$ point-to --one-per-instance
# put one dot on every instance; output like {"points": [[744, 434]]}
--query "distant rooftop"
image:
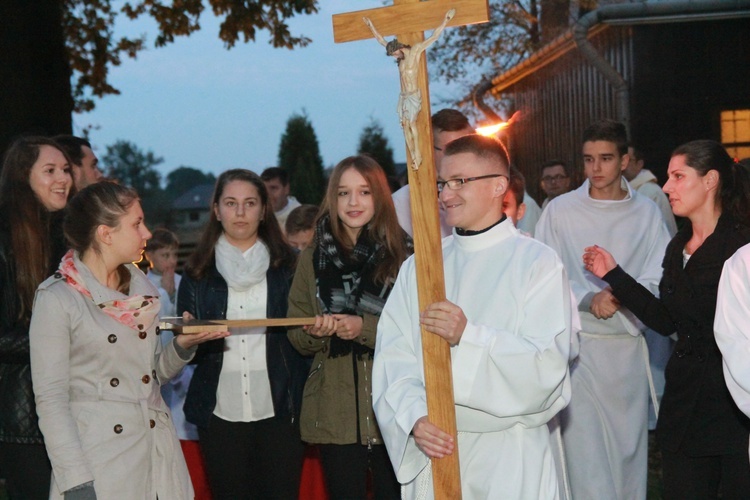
{"points": [[197, 198]]}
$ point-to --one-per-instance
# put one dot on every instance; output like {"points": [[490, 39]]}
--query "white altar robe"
{"points": [[605, 426], [731, 326], [510, 369]]}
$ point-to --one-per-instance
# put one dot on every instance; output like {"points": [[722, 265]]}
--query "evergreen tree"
{"points": [[183, 179], [300, 156], [373, 142]]}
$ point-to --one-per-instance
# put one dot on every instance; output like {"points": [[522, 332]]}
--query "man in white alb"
{"points": [[605, 426], [507, 319]]}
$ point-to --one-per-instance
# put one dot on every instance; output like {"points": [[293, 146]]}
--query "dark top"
{"points": [[698, 415], [18, 419], [287, 369]]}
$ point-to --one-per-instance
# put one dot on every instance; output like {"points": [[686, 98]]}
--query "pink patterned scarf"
{"points": [[136, 312]]}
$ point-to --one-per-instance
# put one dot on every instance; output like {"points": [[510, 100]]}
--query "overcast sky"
{"points": [[196, 104]]}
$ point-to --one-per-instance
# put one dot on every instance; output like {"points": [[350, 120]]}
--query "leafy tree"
{"points": [[130, 166], [300, 155], [45, 42], [373, 141], [92, 47], [183, 179], [126, 163], [468, 54]]}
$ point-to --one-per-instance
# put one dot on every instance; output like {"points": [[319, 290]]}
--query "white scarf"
{"points": [[242, 270]]}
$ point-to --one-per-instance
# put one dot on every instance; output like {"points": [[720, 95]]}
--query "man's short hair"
{"points": [[517, 184], [608, 130], [636, 152], [72, 145], [554, 163], [301, 218], [162, 238], [272, 173], [487, 148], [449, 120]]}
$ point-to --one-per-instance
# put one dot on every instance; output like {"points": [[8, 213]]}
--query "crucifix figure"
{"points": [[410, 99]]}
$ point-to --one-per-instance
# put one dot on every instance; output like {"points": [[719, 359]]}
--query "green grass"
{"points": [[654, 469]]}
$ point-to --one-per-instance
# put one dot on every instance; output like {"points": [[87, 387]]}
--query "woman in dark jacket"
{"points": [[702, 434], [246, 391], [34, 188]]}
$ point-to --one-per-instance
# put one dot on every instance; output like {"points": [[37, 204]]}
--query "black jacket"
{"points": [[287, 369], [18, 419], [697, 414]]}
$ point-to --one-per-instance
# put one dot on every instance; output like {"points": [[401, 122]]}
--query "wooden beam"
{"points": [[428, 260], [179, 325], [408, 18]]}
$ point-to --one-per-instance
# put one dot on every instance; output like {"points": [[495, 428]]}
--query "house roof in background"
{"points": [[198, 197]]}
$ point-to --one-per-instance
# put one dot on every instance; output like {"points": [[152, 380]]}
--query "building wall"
{"points": [[686, 74], [681, 75], [557, 102]]}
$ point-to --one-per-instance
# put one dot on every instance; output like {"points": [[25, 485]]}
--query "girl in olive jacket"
{"points": [[344, 280]]}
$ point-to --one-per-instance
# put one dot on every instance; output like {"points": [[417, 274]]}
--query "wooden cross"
{"points": [[408, 19]]}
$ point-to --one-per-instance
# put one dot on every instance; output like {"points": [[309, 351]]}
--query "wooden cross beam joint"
{"points": [[408, 19]]}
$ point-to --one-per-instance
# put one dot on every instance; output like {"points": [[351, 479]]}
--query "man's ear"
{"points": [[624, 160], [501, 187]]}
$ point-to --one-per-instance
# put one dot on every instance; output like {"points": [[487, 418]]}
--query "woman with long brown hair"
{"points": [[34, 188], [344, 280], [245, 392]]}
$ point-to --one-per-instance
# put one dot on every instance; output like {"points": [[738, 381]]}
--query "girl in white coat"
{"points": [[97, 364]]}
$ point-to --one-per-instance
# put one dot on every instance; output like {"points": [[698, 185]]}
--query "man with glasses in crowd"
{"points": [[507, 318], [555, 180]]}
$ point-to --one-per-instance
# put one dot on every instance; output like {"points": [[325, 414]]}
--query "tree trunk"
{"points": [[35, 90]]}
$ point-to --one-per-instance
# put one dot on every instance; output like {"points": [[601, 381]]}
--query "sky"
{"points": [[197, 104]]}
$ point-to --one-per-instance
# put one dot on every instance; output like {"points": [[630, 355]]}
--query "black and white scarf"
{"points": [[345, 282]]}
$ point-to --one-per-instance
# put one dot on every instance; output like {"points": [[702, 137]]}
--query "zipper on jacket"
{"points": [[369, 405]]}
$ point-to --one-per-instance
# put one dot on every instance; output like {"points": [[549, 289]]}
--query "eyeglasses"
{"points": [[456, 184], [553, 178]]}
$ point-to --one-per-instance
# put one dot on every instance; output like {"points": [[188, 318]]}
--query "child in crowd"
{"points": [[513, 205], [161, 252], [300, 226]]}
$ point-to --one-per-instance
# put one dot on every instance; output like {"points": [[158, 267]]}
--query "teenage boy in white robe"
{"points": [[507, 319], [605, 427]]}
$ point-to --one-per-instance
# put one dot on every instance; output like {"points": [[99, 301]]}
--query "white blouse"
{"points": [[244, 372]]}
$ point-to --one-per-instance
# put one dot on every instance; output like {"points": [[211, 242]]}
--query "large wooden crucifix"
{"points": [[408, 19]]}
